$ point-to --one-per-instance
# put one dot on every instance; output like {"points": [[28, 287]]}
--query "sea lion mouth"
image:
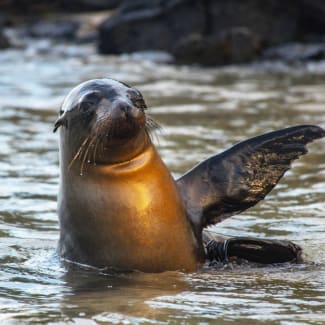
{"points": [[115, 136], [111, 132]]}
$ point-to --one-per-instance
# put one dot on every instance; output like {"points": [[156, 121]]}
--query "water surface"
{"points": [[202, 112]]}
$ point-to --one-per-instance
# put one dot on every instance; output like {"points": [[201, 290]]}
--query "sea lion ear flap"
{"points": [[59, 122]]}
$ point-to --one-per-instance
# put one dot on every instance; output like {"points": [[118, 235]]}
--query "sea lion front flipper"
{"points": [[257, 250], [238, 178], [224, 249]]}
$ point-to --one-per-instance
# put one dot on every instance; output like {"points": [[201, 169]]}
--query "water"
{"points": [[202, 111]]}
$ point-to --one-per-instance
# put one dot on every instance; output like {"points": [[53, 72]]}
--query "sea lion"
{"points": [[118, 204]]}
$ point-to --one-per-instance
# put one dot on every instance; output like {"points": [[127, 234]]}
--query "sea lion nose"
{"points": [[124, 109]]}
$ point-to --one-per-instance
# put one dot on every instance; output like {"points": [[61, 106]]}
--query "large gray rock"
{"points": [[4, 22], [274, 21], [166, 25], [77, 5], [48, 6], [155, 26], [4, 41], [234, 45], [312, 19]]}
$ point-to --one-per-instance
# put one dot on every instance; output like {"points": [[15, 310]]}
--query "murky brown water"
{"points": [[202, 111]]}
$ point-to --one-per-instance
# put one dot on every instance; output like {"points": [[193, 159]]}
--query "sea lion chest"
{"points": [[126, 215]]}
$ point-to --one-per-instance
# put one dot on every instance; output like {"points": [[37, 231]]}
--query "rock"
{"points": [[274, 21], [4, 22], [140, 5], [4, 41], [57, 29], [84, 5], [28, 7], [296, 52], [50, 6], [169, 25], [236, 45], [152, 27], [312, 19]]}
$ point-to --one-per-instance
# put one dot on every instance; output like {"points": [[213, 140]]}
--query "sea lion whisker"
{"points": [[151, 124], [79, 153], [152, 128], [97, 139], [85, 156], [90, 150], [95, 151]]}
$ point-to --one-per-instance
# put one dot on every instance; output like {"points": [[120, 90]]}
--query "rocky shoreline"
{"points": [[204, 32]]}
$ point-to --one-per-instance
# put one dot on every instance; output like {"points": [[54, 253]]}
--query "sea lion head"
{"points": [[103, 121]]}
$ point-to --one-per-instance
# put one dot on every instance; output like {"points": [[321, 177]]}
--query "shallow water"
{"points": [[202, 111]]}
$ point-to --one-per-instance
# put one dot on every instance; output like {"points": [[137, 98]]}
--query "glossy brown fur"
{"points": [[126, 215]]}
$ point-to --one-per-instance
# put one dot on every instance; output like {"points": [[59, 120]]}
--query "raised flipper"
{"points": [[231, 182]]}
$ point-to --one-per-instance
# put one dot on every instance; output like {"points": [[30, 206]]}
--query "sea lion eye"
{"points": [[137, 99], [139, 102], [85, 106], [88, 101]]}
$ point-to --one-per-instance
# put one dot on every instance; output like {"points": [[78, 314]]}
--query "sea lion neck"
{"points": [[95, 157], [119, 152], [128, 168]]}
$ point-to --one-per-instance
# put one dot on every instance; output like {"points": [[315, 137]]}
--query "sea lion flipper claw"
{"points": [[238, 178]]}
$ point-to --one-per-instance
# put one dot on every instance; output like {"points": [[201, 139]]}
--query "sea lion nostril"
{"points": [[126, 108]]}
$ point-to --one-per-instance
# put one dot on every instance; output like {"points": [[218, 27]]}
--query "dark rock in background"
{"points": [[170, 25], [274, 21], [234, 45], [138, 5], [47, 6], [312, 20], [154, 27], [208, 32], [4, 42], [75, 5], [4, 22], [27, 7]]}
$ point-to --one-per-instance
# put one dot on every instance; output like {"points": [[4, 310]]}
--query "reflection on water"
{"points": [[202, 111]]}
